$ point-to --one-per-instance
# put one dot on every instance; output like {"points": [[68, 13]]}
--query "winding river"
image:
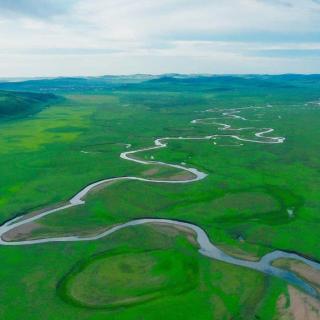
{"points": [[206, 247]]}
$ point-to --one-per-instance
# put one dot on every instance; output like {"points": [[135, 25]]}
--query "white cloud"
{"points": [[125, 36]]}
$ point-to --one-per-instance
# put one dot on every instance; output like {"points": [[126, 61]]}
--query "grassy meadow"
{"points": [[256, 198]]}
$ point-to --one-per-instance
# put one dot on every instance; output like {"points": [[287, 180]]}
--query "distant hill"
{"points": [[15, 104], [166, 82], [74, 84]]}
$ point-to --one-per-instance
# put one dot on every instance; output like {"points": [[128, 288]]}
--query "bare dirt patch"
{"points": [[181, 176], [298, 306], [175, 230], [150, 172], [19, 233], [35, 231], [238, 253]]}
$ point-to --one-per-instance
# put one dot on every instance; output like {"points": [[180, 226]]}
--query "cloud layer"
{"points": [[80, 37]]}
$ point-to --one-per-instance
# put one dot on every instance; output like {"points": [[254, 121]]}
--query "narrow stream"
{"points": [[206, 247]]}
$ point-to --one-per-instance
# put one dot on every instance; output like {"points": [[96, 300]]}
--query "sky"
{"points": [[96, 37]]}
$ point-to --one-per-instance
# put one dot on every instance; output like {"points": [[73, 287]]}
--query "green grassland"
{"points": [[115, 280], [32, 276], [50, 155]]}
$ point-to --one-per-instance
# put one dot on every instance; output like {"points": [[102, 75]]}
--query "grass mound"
{"points": [[115, 280]]}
